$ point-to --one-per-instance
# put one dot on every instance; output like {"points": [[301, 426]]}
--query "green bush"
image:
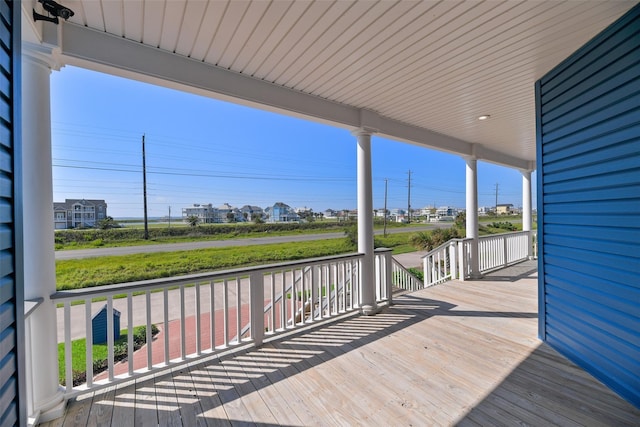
{"points": [[428, 240], [504, 226], [100, 362], [111, 235], [419, 273]]}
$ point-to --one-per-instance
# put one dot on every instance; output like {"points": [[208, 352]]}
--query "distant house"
{"points": [[484, 210], [379, 213], [281, 212], [398, 215], [330, 214], [505, 209], [78, 213], [448, 211], [206, 213], [223, 214], [251, 211]]}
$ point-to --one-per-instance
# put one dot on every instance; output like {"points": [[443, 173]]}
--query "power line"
{"points": [[207, 175]]}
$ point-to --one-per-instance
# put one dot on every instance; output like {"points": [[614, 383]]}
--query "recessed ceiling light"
{"points": [[484, 117]]}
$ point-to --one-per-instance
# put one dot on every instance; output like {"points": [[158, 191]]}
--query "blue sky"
{"points": [[200, 150]]}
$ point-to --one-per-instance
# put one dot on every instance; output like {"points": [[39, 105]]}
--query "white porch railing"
{"points": [[440, 264], [452, 259], [403, 279], [203, 313]]}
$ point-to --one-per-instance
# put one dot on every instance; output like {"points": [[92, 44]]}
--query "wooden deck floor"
{"points": [[454, 354]]}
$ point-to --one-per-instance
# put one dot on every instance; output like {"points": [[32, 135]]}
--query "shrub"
{"points": [[428, 240], [504, 226], [421, 240], [120, 352], [68, 237], [419, 273]]}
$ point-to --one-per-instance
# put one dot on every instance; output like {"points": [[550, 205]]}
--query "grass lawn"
{"points": [[78, 352], [100, 351], [82, 273]]}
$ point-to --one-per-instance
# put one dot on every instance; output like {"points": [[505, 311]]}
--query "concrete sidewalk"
{"points": [[411, 259]]}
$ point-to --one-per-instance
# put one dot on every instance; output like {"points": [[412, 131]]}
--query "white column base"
{"points": [[370, 310], [51, 410]]}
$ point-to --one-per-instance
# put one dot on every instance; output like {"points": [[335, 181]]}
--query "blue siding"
{"points": [[99, 325], [12, 408], [588, 130]]}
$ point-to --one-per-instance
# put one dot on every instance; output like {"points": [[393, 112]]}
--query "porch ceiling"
{"points": [[423, 71]]}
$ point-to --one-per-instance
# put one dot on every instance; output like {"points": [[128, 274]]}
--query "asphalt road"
{"points": [[171, 247]]}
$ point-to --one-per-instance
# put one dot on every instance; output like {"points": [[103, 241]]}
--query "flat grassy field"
{"points": [[82, 273]]}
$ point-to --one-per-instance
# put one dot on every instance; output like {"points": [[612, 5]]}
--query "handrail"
{"points": [[143, 285], [452, 260], [440, 264], [224, 309], [404, 279]]}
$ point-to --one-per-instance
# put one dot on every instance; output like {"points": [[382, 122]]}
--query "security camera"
{"points": [[55, 10]]}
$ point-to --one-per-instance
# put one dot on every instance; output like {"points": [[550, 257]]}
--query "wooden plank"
{"points": [[146, 413], [257, 409], [102, 407], [280, 376], [124, 405], [212, 409], [78, 410], [278, 405], [389, 404], [227, 393], [167, 401], [187, 398]]}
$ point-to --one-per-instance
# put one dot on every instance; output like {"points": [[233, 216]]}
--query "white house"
{"points": [[78, 213], [206, 213]]}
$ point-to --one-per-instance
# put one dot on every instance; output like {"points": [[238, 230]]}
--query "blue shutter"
{"points": [[12, 407], [588, 130]]}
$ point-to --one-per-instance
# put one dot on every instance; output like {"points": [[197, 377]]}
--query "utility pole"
{"points": [[144, 190], [409, 199], [384, 233], [496, 198], [169, 216]]}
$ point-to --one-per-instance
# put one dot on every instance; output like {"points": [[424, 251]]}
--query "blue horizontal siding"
{"points": [[597, 207], [596, 119], [603, 64], [603, 266], [601, 128], [622, 192], [613, 180], [603, 90], [626, 235], [575, 158], [588, 136], [595, 169], [616, 296], [590, 219], [603, 320], [594, 143]]}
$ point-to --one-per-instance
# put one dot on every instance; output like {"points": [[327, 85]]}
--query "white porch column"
{"points": [[526, 208], [39, 256], [365, 224], [472, 213]]}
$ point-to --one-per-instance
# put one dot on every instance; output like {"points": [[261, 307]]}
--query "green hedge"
{"points": [[63, 237]]}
